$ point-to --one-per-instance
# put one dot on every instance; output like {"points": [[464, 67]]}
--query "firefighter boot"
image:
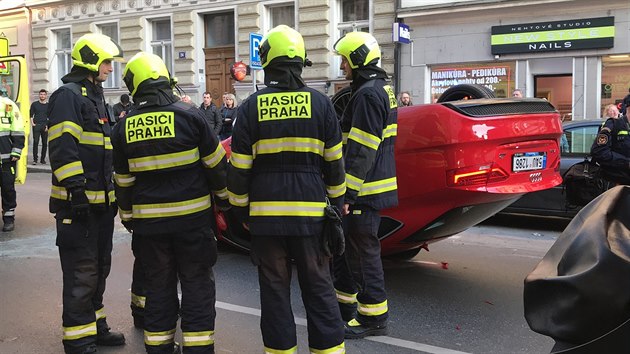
{"points": [[109, 338], [356, 330], [90, 349], [9, 224]]}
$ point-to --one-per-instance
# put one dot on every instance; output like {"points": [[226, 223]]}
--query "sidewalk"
{"points": [[39, 168]]}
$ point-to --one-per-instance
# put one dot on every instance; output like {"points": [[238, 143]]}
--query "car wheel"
{"points": [[405, 255], [341, 99], [465, 91]]}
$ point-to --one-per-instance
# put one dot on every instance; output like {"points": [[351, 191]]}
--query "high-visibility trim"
{"points": [[344, 138], [59, 192], [108, 143], [124, 180], [337, 349], [622, 132], [353, 183], [346, 298], [92, 138], [100, 313], [5, 156], [390, 131], [138, 301], [287, 208], [334, 153], [159, 210], [159, 338], [372, 309], [111, 195], [16, 151], [222, 194], [214, 158], [336, 191], [158, 162], [241, 160], [240, 200], [65, 127], [281, 351], [289, 144], [125, 215], [69, 170], [377, 187], [198, 339], [77, 332], [95, 197], [364, 138]]}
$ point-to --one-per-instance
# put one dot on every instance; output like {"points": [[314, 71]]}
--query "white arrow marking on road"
{"points": [[380, 339]]}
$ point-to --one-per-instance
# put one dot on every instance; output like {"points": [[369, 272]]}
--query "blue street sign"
{"points": [[254, 55]]}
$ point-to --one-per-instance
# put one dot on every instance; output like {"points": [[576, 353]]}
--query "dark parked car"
{"points": [[579, 135]]}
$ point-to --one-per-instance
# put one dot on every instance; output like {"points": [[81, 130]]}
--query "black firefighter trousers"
{"points": [[360, 269], [85, 251], [188, 255], [7, 186], [273, 256]]}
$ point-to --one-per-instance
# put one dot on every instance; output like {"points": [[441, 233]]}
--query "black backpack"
{"points": [[583, 182]]}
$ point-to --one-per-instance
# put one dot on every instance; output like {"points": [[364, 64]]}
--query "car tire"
{"points": [[341, 99], [465, 91]]}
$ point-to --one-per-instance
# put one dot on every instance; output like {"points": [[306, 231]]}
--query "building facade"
{"points": [[198, 39], [575, 53]]}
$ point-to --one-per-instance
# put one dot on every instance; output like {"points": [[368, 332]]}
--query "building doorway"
{"points": [[558, 90], [219, 53]]}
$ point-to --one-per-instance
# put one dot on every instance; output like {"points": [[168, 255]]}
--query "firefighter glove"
{"points": [[79, 202], [333, 241]]}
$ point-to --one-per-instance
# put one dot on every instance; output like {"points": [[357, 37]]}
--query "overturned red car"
{"points": [[458, 162]]}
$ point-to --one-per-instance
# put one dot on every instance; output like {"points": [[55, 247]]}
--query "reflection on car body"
{"points": [[575, 145]]}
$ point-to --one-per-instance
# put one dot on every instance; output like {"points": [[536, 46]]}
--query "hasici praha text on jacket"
{"points": [[282, 144], [177, 143]]}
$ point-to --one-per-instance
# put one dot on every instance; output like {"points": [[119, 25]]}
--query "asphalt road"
{"points": [[464, 296]]}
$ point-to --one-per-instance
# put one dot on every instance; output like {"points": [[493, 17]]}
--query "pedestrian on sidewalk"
{"points": [[39, 123]]}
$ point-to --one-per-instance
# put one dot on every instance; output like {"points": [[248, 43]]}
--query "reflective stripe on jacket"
{"points": [[11, 130], [79, 145], [168, 162], [369, 127], [286, 158]]}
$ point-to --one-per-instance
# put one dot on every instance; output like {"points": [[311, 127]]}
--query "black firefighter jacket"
{"points": [[80, 145], [286, 159], [611, 149], [369, 126], [168, 163]]}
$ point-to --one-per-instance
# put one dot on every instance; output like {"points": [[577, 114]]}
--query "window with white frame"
{"points": [[162, 42], [219, 28], [281, 14], [354, 15], [62, 60], [111, 30]]}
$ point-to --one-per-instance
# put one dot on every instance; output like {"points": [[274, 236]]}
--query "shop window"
{"points": [[615, 80], [499, 77]]}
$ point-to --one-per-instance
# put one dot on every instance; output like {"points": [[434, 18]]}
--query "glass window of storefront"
{"points": [[615, 79], [497, 76]]}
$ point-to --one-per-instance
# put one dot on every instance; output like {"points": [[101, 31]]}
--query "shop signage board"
{"points": [[495, 77], [401, 33], [586, 33]]}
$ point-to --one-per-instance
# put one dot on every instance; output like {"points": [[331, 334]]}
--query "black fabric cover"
{"points": [[580, 291]]}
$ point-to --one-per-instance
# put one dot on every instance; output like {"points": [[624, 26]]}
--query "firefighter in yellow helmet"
{"points": [[286, 159], [11, 145], [82, 195], [169, 164], [369, 122]]}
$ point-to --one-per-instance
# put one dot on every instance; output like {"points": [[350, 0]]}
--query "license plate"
{"points": [[529, 161]]}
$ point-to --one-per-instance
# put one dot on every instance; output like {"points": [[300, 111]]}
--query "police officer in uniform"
{"points": [[168, 164], [82, 195], [611, 149], [286, 159], [369, 126], [11, 145]]}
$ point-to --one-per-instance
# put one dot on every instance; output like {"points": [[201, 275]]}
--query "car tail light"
{"points": [[475, 175]]}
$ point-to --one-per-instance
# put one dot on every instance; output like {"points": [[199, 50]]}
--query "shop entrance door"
{"points": [[558, 90], [218, 79]]}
